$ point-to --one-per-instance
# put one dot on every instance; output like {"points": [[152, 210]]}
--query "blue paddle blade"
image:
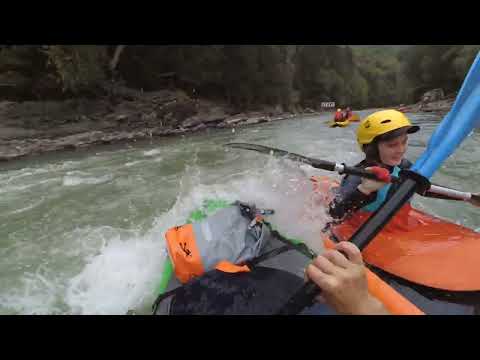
{"points": [[455, 127]]}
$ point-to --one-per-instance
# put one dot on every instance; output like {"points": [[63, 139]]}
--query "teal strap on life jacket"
{"points": [[381, 194]]}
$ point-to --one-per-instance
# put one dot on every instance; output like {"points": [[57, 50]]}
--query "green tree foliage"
{"points": [[359, 90], [379, 68], [321, 74], [242, 75], [246, 76], [436, 66]]}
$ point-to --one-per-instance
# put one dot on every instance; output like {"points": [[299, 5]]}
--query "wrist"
{"points": [[371, 306]]}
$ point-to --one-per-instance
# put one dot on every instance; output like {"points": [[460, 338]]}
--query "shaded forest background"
{"points": [[292, 77]]}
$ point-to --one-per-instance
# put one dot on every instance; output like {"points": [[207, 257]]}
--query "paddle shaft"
{"points": [[348, 170], [451, 193], [435, 189]]}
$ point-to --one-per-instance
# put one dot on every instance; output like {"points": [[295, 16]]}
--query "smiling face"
{"points": [[392, 151]]}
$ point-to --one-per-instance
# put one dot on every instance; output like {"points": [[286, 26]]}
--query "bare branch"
{"points": [[116, 56]]}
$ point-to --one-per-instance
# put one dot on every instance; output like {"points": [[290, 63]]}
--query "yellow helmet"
{"points": [[382, 122]]}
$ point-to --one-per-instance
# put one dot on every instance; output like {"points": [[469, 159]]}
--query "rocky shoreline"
{"points": [[433, 101], [31, 128]]}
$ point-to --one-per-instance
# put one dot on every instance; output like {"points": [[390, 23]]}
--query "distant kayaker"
{"points": [[348, 113], [343, 282], [338, 116]]}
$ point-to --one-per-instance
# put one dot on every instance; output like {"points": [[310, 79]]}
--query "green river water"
{"points": [[82, 232]]}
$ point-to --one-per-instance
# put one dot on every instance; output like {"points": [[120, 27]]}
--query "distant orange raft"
{"points": [[353, 118], [420, 248]]}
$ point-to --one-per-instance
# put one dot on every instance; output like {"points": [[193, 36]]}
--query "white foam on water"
{"points": [[72, 180], [77, 173], [286, 188], [152, 152], [132, 163], [29, 207], [117, 270], [20, 188], [280, 185], [124, 274], [126, 271], [22, 174], [64, 165], [121, 277], [38, 294]]}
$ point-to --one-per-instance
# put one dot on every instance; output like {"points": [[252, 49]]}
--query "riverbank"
{"points": [[36, 127], [441, 106], [31, 127]]}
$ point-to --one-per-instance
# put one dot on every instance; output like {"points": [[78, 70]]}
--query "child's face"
{"points": [[392, 151]]}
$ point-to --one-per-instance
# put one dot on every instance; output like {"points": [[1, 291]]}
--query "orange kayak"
{"points": [[419, 247]]}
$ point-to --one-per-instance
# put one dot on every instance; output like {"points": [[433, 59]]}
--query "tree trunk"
{"points": [[116, 57]]}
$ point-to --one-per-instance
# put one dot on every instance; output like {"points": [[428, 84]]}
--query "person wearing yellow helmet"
{"points": [[383, 137], [376, 135]]}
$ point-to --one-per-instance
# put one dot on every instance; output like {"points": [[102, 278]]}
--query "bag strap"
{"points": [[162, 297]]}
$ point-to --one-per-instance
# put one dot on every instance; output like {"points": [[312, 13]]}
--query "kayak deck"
{"points": [[423, 249]]}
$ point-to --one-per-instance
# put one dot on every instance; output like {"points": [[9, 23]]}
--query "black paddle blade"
{"points": [[270, 151], [319, 164]]}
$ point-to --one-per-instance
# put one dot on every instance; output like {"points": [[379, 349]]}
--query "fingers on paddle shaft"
{"points": [[374, 173], [382, 174], [306, 296]]}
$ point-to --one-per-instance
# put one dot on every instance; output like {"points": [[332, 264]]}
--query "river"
{"points": [[82, 232]]}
